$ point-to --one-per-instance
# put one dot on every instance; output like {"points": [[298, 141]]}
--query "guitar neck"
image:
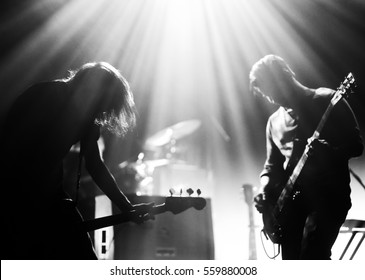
{"points": [[107, 221], [289, 186]]}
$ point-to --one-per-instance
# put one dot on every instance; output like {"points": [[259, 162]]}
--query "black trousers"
{"points": [[312, 230], [51, 232]]}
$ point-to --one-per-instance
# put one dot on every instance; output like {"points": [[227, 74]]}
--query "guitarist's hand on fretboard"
{"points": [[142, 212]]}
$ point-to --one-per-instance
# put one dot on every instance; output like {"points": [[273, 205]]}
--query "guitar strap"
{"points": [[79, 168]]}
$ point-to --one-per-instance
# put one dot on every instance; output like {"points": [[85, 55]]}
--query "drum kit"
{"points": [[136, 176]]}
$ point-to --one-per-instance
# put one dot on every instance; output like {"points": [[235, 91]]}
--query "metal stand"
{"points": [[354, 227]]}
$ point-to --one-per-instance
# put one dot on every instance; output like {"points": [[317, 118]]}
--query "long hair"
{"points": [[110, 93]]}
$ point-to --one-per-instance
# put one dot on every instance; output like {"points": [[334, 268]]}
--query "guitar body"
{"points": [[275, 221], [272, 228]]}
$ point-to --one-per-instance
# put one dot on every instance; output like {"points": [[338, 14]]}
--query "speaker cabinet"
{"points": [[184, 236]]}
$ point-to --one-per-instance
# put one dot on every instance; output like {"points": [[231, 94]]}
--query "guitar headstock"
{"points": [[345, 89], [178, 203]]}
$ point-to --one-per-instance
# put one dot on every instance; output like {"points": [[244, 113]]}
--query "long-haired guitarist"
{"points": [[38, 221], [321, 198]]}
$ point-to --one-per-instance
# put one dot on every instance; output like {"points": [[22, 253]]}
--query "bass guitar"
{"points": [[275, 214], [173, 204]]}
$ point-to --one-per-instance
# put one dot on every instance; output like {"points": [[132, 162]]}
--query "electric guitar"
{"points": [[174, 204], [275, 214]]}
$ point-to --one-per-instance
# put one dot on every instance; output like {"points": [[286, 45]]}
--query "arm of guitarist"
{"points": [[342, 139], [350, 143], [272, 173], [105, 180]]}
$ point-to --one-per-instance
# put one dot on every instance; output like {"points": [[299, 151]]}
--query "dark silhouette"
{"points": [[320, 209], [39, 220]]}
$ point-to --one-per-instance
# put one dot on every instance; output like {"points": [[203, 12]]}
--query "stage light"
{"points": [[189, 59]]}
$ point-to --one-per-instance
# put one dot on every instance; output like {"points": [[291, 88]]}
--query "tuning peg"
{"points": [[199, 192], [190, 191], [172, 191], [181, 191]]}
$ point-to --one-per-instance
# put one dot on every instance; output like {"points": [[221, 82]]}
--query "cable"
{"points": [[263, 246]]}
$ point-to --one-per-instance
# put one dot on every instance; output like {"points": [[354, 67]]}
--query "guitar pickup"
{"points": [[169, 252]]}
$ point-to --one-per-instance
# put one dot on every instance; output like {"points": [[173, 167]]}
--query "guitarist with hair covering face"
{"points": [[39, 219], [318, 211]]}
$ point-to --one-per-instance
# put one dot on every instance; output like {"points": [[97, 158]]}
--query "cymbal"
{"points": [[156, 162], [143, 164], [174, 132]]}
